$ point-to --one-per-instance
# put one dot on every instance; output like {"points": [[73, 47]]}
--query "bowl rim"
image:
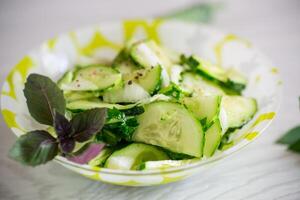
{"points": [[189, 166]]}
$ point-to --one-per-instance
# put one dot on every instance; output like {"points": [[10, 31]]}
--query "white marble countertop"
{"points": [[263, 170]]}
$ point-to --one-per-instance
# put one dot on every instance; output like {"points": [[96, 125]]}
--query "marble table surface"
{"points": [[263, 170]]}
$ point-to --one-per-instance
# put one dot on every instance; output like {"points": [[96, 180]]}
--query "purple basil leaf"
{"points": [[88, 123], [34, 148], [43, 96], [88, 154], [62, 125], [67, 145]]}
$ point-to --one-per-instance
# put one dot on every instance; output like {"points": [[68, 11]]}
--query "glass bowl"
{"points": [[102, 42]]}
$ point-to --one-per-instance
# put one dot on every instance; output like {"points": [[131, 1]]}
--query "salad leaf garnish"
{"points": [[292, 136], [173, 91], [292, 139], [88, 123], [199, 12], [108, 138], [190, 62], [118, 125], [137, 110], [34, 148], [43, 96]]}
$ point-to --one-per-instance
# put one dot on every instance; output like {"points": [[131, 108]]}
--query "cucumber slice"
{"points": [[193, 83], [93, 78], [133, 156], [204, 107], [171, 126], [176, 72], [130, 93], [66, 78], [165, 164], [148, 54], [236, 81], [125, 67], [80, 95], [149, 79], [236, 77], [100, 159], [238, 110], [213, 137], [124, 63], [205, 68], [95, 103]]}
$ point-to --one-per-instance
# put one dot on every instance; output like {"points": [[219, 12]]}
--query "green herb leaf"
{"points": [[43, 97], [190, 61], [295, 146], [291, 137], [201, 12], [108, 138], [137, 110], [120, 125], [88, 123], [34, 148], [173, 91]]}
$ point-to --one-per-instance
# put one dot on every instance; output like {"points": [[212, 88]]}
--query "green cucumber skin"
{"points": [[248, 111], [217, 108], [67, 77], [95, 85], [230, 86], [139, 152], [208, 152], [195, 152]]}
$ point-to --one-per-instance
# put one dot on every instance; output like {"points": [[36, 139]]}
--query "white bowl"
{"points": [[89, 45]]}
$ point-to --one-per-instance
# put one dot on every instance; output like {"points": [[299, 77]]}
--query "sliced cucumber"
{"points": [[80, 95], [238, 110], [95, 103], [205, 68], [148, 54], [133, 156], [130, 93], [233, 81], [193, 83], [204, 107], [149, 79], [171, 126], [213, 137], [66, 78], [100, 159], [124, 63], [93, 78], [236, 81], [125, 68], [175, 74], [165, 164]]}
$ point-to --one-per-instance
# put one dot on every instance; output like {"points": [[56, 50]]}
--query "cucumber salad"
{"points": [[162, 109]]}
